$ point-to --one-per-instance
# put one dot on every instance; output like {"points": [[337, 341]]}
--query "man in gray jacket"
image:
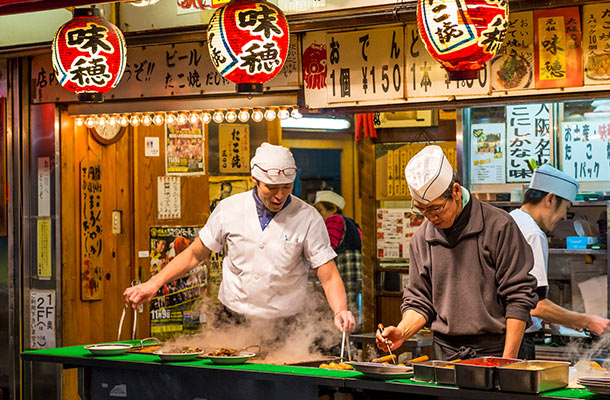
{"points": [[469, 275]]}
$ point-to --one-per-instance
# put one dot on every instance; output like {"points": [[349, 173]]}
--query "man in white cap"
{"points": [[545, 203], [469, 269], [270, 240]]}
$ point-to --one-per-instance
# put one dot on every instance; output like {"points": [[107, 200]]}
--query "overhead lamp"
{"points": [[218, 117], [123, 121], [337, 124], [89, 122], [243, 115], [134, 120], [270, 114], [79, 121], [295, 113], [158, 119], [181, 118], [257, 115], [206, 117], [194, 118], [283, 113], [112, 120], [146, 120], [231, 116], [101, 121], [170, 118]]}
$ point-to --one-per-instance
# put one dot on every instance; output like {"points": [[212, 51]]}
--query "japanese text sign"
{"points": [[92, 262], [596, 43], [586, 150], [234, 148]]}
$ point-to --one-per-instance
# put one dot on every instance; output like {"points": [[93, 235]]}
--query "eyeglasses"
{"points": [[277, 172], [432, 211]]}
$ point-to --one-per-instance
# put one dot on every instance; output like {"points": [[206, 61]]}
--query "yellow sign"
{"points": [[44, 248], [552, 51], [234, 148]]}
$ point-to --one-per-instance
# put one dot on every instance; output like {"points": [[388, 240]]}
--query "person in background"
{"points": [[545, 203], [346, 240], [469, 269], [270, 240]]}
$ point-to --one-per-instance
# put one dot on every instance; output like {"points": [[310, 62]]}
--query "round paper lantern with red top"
{"points": [[462, 34], [248, 42], [89, 55]]}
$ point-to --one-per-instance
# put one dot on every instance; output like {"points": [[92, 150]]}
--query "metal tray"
{"points": [[445, 375], [382, 371], [470, 374], [533, 376], [425, 371]]}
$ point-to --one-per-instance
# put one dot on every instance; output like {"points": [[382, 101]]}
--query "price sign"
{"points": [[586, 150]]}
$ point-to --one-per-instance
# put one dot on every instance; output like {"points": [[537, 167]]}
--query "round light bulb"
{"points": [[295, 113], [218, 117], [146, 120], [206, 117], [134, 120], [123, 121], [243, 115], [231, 116], [270, 114], [101, 121], [283, 113], [112, 120], [79, 121], [257, 116], [182, 118], [89, 122], [158, 119], [170, 118], [194, 118]]}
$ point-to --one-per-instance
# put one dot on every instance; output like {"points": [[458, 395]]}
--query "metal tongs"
{"points": [[135, 317], [381, 328], [344, 344]]}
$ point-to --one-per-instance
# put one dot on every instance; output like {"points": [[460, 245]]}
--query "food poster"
{"points": [[558, 48], [426, 77], [487, 153], [184, 148], [527, 138], [221, 187], [172, 309], [395, 228], [234, 148], [513, 65], [585, 150], [596, 43]]}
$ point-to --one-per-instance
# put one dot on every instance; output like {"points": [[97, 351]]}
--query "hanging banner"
{"points": [[487, 153], [513, 65], [92, 262], [586, 150], [184, 148], [558, 48], [596, 43], [365, 65], [527, 137], [234, 148]]}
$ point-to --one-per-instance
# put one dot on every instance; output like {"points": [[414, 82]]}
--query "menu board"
{"points": [[513, 65], [527, 137], [395, 228], [234, 148], [585, 150], [596, 43], [487, 153]]}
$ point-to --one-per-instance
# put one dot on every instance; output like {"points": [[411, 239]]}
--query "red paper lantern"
{"points": [[248, 42], [462, 34], [89, 55]]}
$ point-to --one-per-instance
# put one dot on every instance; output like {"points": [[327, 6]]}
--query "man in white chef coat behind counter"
{"points": [[270, 239], [545, 203]]}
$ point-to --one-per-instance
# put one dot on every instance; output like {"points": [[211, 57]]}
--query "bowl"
{"points": [[240, 358]]}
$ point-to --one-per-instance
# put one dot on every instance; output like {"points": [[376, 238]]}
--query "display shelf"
{"points": [[584, 252]]}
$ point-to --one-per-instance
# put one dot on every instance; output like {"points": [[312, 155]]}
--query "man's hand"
{"points": [[597, 325], [136, 295], [344, 321], [393, 335]]}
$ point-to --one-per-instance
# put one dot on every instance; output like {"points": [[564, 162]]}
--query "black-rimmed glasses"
{"points": [[277, 171]]}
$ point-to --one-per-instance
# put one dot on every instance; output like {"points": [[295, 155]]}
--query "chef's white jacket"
{"points": [[264, 273], [540, 247]]}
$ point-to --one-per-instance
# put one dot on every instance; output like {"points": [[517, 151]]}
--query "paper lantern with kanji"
{"points": [[89, 55], [248, 42], [462, 34]]}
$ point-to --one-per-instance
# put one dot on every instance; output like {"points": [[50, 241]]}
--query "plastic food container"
{"points": [[533, 376], [480, 373]]}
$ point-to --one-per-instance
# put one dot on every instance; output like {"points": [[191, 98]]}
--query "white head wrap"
{"points": [[552, 180], [330, 197], [269, 156], [428, 174]]}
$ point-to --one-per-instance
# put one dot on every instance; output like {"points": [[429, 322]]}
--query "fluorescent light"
{"points": [[336, 124]]}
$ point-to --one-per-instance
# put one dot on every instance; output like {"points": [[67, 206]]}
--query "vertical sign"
{"points": [[365, 65], [92, 262], [42, 319], [513, 66], [586, 150], [527, 137], [43, 242], [596, 43], [234, 148], [487, 153], [395, 228], [44, 187], [558, 48], [184, 148], [168, 197]]}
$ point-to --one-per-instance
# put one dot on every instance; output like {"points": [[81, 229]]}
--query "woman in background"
{"points": [[346, 240]]}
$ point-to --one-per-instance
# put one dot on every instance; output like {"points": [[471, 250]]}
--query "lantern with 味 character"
{"points": [[89, 55], [248, 41], [462, 34]]}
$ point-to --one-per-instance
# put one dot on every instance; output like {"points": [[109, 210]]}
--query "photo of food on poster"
{"points": [[184, 144], [172, 309], [487, 153]]}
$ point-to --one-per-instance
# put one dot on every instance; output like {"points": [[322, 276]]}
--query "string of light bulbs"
{"points": [[205, 116]]}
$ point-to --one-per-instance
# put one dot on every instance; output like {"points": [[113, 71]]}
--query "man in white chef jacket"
{"points": [[545, 203], [271, 239]]}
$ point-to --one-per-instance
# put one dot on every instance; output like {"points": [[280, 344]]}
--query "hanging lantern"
{"points": [[248, 42], [462, 34], [89, 55]]}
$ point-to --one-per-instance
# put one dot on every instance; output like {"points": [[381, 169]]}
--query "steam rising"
{"points": [[585, 359]]}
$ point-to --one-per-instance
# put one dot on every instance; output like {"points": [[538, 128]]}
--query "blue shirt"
{"points": [[264, 215]]}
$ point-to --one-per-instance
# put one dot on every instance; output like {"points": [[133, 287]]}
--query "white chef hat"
{"points": [[272, 157], [330, 197], [552, 180], [428, 174]]}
